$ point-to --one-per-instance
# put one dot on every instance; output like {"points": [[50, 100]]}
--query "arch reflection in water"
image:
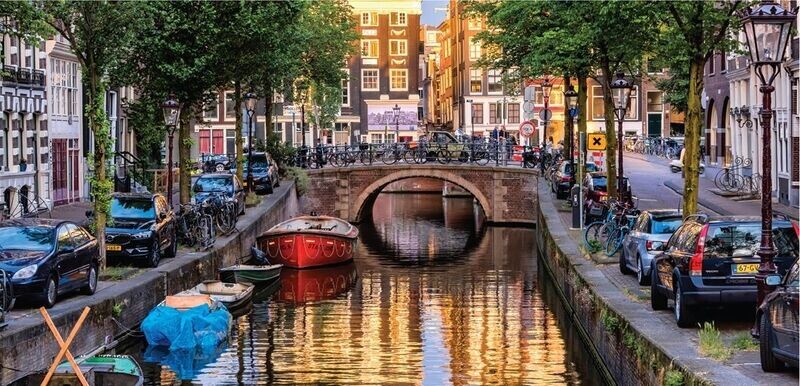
{"points": [[473, 313]]}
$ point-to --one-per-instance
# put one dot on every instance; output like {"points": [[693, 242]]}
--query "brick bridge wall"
{"points": [[507, 195]]}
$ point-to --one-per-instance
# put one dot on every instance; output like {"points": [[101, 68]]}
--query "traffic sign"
{"points": [[596, 141], [527, 107], [526, 129], [545, 115]]}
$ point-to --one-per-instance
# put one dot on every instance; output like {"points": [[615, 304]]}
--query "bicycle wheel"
{"points": [[591, 236], [208, 231], [223, 220], [389, 157], [614, 241], [443, 156], [481, 157], [420, 156]]}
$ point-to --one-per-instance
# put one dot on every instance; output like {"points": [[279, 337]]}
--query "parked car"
{"points": [[144, 229], [649, 233], [711, 261], [778, 322], [562, 178], [215, 162], [225, 184], [596, 197], [46, 258], [265, 173]]}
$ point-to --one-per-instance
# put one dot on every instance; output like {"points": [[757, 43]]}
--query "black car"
{"points": [[143, 229], [712, 261], [46, 258], [778, 322], [224, 184], [562, 178], [265, 173]]}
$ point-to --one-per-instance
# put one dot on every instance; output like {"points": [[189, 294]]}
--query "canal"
{"points": [[434, 297]]}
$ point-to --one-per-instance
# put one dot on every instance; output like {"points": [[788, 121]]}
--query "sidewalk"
{"points": [[719, 204]]}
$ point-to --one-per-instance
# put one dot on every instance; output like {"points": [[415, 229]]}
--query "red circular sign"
{"points": [[526, 129]]}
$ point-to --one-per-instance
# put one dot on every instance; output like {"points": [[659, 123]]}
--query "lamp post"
{"points": [[546, 88], [396, 111], [572, 100], [172, 112], [250, 100], [767, 27], [620, 88]]}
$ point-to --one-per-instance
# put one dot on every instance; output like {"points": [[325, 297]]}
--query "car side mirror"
{"points": [[198, 189], [89, 213], [66, 249], [773, 280]]}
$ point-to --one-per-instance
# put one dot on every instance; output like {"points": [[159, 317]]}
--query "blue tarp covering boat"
{"points": [[183, 323]]}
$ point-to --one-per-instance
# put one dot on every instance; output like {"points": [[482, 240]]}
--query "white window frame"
{"points": [[395, 72], [377, 79], [402, 19], [372, 19], [228, 97], [346, 92], [472, 73], [498, 75], [397, 43], [475, 49], [371, 42]]}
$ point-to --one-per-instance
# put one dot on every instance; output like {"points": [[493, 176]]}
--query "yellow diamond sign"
{"points": [[596, 141]]}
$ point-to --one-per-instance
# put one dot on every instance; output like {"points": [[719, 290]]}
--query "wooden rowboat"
{"points": [[232, 295], [252, 274], [99, 370], [310, 241]]}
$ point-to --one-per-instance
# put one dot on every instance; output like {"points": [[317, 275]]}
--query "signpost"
{"points": [[526, 129]]}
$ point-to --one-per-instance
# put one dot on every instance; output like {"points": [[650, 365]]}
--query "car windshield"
{"points": [[260, 166], [744, 240], [213, 184], [31, 238], [665, 225], [132, 209], [599, 183]]}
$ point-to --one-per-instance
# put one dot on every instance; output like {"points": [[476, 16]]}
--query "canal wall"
{"points": [[26, 344], [636, 347]]}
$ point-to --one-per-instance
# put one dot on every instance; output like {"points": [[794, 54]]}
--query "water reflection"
{"points": [[432, 298]]}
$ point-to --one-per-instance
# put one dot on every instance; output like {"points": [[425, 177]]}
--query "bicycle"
{"points": [[196, 227], [222, 210]]}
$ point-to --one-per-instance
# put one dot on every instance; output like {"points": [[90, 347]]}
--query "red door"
{"points": [[60, 171], [205, 141], [217, 141]]}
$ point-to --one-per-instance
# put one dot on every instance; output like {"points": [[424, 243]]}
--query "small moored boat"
{"points": [[258, 270], [232, 295], [187, 321], [103, 370], [310, 241]]}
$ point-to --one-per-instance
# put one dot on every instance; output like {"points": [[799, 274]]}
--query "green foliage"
{"points": [[281, 152], [610, 321], [744, 342], [673, 378], [711, 344], [300, 178], [116, 310]]}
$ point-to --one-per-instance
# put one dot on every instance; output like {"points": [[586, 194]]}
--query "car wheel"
{"points": [[769, 363], [658, 301], [91, 280], [50, 293], [155, 255], [173, 246], [623, 264], [640, 276], [683, 313], [219, 168]]}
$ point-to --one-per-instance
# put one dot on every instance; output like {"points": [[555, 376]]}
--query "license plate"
{"points": [[603, 198], [745, 269], [113, 247]]}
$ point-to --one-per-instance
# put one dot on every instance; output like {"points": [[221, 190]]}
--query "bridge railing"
{"points": [[480, 153]]}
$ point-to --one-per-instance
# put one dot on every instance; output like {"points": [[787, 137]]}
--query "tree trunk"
{"points": [[101, 188], [691, 160], [268, 111], [571, 124], [582, 113], [184, 156], [237, 101], [611, 131]]}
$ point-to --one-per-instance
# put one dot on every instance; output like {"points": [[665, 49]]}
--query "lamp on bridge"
{"points": [[172, 113], [396, 112], [250, 100], [767, 27], [620, 89]]}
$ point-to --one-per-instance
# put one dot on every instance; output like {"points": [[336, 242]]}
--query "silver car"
{"points": [[649, 234]]}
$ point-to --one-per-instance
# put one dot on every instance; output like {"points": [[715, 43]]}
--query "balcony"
{"points": [[9, 74], [24, 75], [38, 78]]}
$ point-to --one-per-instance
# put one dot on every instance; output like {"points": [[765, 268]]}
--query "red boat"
{"points": [[310, 241], [299, 286]]}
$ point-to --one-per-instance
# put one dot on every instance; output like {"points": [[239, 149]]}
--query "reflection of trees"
{"points": [[30, 238]]}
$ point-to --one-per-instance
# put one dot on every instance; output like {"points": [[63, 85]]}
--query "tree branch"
{"points": [[676, 16]]}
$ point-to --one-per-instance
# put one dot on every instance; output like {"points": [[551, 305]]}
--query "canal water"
{"points": [[434, 297]]}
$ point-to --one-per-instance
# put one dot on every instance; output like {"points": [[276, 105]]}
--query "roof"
{"points": [[27, 222], [216, 175], [135, 196]]}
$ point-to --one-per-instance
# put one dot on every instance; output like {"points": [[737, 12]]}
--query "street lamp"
{"points": [[546, 88], [572, 100], [620, 89], [742, 116], [767, 29], [250, 100], [396, 111], [172, 112]]}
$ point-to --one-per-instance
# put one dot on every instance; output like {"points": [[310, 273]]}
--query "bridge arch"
{"points": [[367, 196]]}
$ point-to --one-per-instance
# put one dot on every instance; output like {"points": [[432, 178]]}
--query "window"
{"points": [[369, 18], [398, 79], [711, 65], [477, 113], [369, 48], [398, 18], [474, 49], [230, 108], [345, 92], [474, 24], [598, 108], [556, 96], [723, 62], [495, 112], [494, 78], [64, 87], [212, 111], [369, 80], [398, 47], [375, 138], [475, 80], [654, 101], [513, 112]]}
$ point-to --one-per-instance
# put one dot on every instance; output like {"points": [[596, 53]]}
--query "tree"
{"points": [[98, 33], [693, 32]]}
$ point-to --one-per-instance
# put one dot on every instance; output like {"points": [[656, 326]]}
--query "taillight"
{"points": [[565, 179], [696, 262], [653, 245], [796, 229]]}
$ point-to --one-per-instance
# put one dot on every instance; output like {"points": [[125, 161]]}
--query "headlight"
{"points": [[26, 272], [141, 235]]}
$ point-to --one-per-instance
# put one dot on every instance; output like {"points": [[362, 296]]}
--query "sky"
{"points": [[431, 16]]}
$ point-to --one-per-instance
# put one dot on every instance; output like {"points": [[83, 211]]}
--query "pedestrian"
{"points": [[495, 133], [548, 146]]}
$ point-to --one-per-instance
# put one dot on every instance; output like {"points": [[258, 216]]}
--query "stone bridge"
{"points": [[507, 195]]}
